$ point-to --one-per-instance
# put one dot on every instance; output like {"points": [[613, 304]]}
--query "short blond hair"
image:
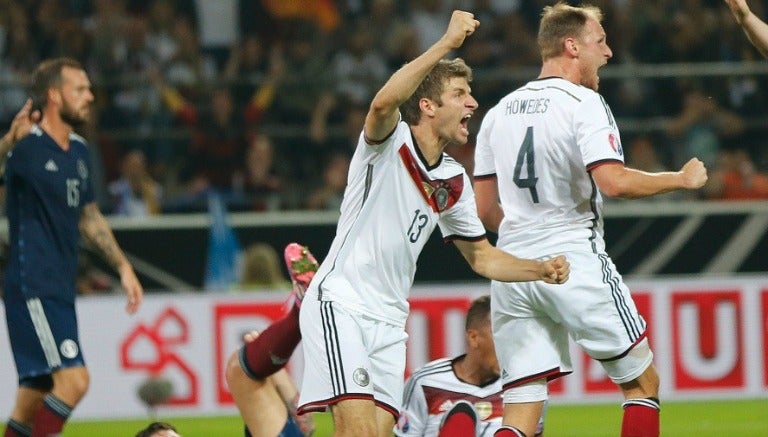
{"points": [[563, 21]]}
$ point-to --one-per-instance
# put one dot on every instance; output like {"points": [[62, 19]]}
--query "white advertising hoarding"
{"points": [[710, 338]]}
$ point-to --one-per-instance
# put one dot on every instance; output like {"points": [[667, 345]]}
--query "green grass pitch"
{"points": [[748, 418]]}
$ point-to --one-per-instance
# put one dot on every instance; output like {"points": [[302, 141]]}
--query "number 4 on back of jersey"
{"points": [[526, 156]]}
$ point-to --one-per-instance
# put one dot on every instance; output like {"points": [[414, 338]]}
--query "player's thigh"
{"points": [[596, 307], [336, 363], [528, 344], [355, 417], [43, 335], [387, 355]]}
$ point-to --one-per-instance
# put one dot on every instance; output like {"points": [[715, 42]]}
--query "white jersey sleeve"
{"points": [[596, 133]]}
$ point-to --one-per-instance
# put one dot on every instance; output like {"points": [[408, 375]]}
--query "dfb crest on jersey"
{"points": [[615, 144], [441, 196], [82, 169], [361, 378]]}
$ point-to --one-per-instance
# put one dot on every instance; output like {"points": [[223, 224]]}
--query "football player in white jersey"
{"points": [[437, 387], [755, 28], [545, 152], [400, 187]]}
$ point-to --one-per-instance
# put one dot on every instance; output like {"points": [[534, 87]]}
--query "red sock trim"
{"points": [[641, 419]]}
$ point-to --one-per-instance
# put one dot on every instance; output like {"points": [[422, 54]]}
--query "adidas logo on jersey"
{"points": [[51, 165]]}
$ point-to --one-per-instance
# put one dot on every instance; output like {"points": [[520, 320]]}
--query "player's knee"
{"points": [[72, 384], [534, 391], [634, 367]]}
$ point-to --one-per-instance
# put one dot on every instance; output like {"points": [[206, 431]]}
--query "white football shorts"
{"points": [[531, 322], [349, 356]]}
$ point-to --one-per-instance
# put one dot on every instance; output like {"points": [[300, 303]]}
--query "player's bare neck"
{"points": [[429, 145], [561, 67], [471, 372], [57, 129]]}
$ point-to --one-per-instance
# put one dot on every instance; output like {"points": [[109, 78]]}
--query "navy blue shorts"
{"points": [[291, 429], [43, 336]]}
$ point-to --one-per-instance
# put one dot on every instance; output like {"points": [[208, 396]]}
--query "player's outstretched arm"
{"points": [[20, 127], [755, 28], [616, 180], [96, 230], [382, 115], [493, 263]]}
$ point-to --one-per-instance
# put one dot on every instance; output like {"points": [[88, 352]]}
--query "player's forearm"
{"points": [[757, 32], [97, 232], [493, 263], [637, 184], [508, 268]]}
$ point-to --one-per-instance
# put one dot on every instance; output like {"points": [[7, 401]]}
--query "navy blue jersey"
{"points": [[47, 189]]}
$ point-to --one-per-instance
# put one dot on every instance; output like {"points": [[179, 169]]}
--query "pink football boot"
{"points": [[302, 266]]}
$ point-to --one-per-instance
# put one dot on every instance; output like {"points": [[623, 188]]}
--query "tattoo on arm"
{"points": [[97, 232]]}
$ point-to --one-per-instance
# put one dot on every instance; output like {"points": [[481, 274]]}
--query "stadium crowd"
{"points": [[263, 100]]}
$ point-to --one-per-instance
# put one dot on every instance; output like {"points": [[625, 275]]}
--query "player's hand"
{"points": [[739, 8], [694, 174], [132, 288], [22, 123], [462, 25], [250, 336], [556, 270]]}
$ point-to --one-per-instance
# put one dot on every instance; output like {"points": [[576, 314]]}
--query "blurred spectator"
{"points": [[255, 78], [108, 25], [246, 67], [218, 143], [395, 36], [218, 25], [296, 73], [189, 67], [262, 269], [694, 26], [161, 18], [359, 69], [737, 178], [641, 154], [701, 127], [135, 194], [303, 97], [428, 21], [329, 195], [322, 13], [18, 56], [261, 185]]}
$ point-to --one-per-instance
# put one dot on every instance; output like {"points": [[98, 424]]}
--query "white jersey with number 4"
{"points": [[541, 141], [392, 203]]}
